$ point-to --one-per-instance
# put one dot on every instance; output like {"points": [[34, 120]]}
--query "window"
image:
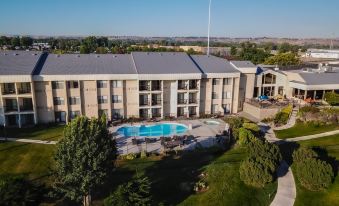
{"points": [[215, 81], [74, 114], [102, 99], [269, 79], [74, 100], [116, 84], [214, 95], [72, 84], [227, 81], [226, 108], [101, 84], [215, 108], [58, 101], [117, 113], [57, 85], [227, 95], [102, 112], [116, 99], [281, 90]]}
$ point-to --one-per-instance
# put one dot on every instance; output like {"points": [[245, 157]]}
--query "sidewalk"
{"points": [[313, 136], [33, 141]]}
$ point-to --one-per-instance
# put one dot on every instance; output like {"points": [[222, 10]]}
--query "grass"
{"points": [[302, 129], [173, 179], [328, 146], [40, 132], [31, 160]]}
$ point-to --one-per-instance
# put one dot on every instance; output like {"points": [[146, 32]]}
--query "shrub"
{"points": [[332, 98], [308, 109], [130, 156], [245, 136], [251, 126], [135, 192], [281, 118], [234, 122], [255, 174], [314, 174], [303, 153]]}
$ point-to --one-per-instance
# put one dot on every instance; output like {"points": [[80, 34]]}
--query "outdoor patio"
{"points": [[201, 134]]}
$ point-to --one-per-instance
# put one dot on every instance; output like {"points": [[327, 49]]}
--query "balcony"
{"points": [[24, 88], [11, 108], [193, 85], [7, 91], [144, 102], [182, 87], [144, 86], [182, 101], [156, 102], [193, 101], [26, 108], [156, 85]]}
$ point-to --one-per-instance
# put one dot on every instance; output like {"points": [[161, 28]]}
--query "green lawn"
{"points": [[329, 145], [38, 132], [32, 160], [173, 179], [301, 129]]}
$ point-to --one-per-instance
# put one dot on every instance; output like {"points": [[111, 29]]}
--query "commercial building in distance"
{"points": [[38, 88]]}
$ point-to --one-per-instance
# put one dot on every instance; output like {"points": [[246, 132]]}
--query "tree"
{"points": [[253, 173], [233, 51], [283, 59], [84, 158], [314, 174], [26, 41], [4, 40], [133, 193], [302, 154], [245, 136], [250, 52], [101, 50], [332, 98], [15, 190], [84, 49], [15, 41]]}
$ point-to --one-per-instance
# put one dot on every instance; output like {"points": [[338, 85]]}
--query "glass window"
{"points": [[74, 114], [227, 95], [214, 108], [101, 84], [57, 85], [102, 112], [116, 98], [117, 113], [214, 95], [74, 100], [102, 99], [226, 108], [72, 84], [116, 83], [227, 81], [58, 101], [215, 81]]}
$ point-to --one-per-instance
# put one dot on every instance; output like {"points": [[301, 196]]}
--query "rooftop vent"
{"points": [[5, 54], [78, 55]]}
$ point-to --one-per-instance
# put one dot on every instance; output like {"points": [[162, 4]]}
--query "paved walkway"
{"points": [[286, 192], [33, 141], [291, 121], [313, 136]]}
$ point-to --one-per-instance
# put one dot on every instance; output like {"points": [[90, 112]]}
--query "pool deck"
{"points": [[205, 136]]}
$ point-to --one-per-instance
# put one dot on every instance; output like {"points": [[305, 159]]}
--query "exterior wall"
{"points": [[259, 113], [131, 97], [246, 88], [88, 98], [170, 100], [44, 102]]}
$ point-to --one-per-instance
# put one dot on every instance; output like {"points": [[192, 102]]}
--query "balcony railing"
{"points": [[8, 91], [144, 103], [156, 102], [10, 108], [24, 90], [156, 114], [144, 87], [182, 101], [193, 101], [182, 87], [26, 108]]}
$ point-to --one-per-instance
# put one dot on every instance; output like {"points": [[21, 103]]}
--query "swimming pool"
{"points": [[163, 129]]}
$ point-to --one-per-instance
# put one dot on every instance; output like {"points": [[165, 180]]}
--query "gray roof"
{"points": [[212, 64], [320, 78], [73, 64], [164, 63], [243, 64], [18, 62]]}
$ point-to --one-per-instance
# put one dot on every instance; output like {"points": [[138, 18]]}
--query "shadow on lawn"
{"points": [[323, 155], [174, 177]]}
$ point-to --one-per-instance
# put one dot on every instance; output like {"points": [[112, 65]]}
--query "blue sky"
{"points": [[237, 18]]}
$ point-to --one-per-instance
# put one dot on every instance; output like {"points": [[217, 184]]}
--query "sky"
{"points": [[169, 18]]}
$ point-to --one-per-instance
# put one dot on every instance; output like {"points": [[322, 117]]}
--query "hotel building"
{"points": [[39, 88]]}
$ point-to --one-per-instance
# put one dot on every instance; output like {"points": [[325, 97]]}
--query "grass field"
{"points": [[328, 146], [37, 132], [301, 129]]}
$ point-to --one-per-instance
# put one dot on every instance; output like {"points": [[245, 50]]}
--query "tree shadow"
{"points": [[174, 177], [287, 149], [323, 155]]}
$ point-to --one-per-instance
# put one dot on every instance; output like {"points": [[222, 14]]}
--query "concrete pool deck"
{"points": [[204, 133]]}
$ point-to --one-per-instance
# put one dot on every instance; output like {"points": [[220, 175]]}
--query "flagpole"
{"points": [[209, 27]]}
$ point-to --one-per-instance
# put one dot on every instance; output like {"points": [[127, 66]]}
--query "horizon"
{"points": [[154, 18]]}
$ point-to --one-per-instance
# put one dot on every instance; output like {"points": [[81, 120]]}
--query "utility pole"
{"points": [[209, 27]]}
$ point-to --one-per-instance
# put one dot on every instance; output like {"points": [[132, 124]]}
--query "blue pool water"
{"points": [[164, 129]]}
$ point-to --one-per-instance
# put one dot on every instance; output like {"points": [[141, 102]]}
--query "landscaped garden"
{"points": [[328, 149], [203, 177], [311, 120]]}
